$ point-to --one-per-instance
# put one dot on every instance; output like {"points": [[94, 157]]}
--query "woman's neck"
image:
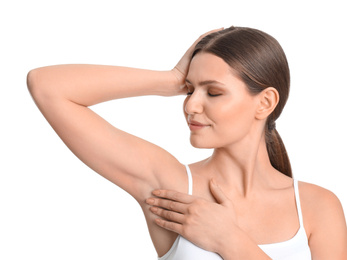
{"points": [[242, 167]]}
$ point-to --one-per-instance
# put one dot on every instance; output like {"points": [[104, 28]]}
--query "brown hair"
{"points": [[260, 62]]}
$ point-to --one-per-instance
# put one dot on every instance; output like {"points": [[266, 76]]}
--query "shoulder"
{"points": [[317, 196], [323, 215], [318, 202]]}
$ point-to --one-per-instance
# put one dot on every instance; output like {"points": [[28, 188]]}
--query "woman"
{"points": [[242, 202]]}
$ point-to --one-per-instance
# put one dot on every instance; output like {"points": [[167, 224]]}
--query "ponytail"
{"points": [[277, 152]]}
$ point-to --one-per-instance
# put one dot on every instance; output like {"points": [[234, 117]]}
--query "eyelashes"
{"points": [[214, 95], [210, 90], [209, 94]]}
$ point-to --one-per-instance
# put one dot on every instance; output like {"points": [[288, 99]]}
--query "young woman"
{"points": [[242, 202]]}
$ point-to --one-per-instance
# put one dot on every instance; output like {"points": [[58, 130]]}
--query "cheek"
{"points": [[235, 119]]}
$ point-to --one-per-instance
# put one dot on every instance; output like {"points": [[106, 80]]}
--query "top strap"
{"points": [[190, 181], [298, 205]]}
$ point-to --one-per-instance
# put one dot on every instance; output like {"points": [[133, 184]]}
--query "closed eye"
{"points": [[213, 95], [189, 93], [210, 91]]}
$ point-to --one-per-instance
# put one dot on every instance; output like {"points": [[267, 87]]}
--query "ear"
{"points": [[268, 100]]}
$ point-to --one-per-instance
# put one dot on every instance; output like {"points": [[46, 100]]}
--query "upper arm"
{"points": [[325, 220], [126, 160]]}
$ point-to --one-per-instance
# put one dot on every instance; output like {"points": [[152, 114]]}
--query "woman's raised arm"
{"points": [[63, 94]]}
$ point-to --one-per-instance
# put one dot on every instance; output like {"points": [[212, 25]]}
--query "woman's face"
{"points": [[219, 109]]}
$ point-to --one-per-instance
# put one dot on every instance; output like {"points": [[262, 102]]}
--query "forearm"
{"points": [[241, 246], [91, 84]]}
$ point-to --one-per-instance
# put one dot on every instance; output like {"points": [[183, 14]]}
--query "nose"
{"points": [[194, 104]]}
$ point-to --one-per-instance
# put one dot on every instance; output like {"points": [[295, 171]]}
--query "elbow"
{"points": [[39, 85], [34, 85], [32, 80]]}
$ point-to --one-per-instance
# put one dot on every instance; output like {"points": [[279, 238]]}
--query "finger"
{"points": [[190, 50], [168, 215], [217, 192], [174, 195], [202, 36], [168, 225], [183, 64], [168, 204]]}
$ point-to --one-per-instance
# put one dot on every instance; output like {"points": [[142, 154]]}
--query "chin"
{"points": [[200, 143]]}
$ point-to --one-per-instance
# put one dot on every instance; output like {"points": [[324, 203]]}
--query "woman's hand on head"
{"points": [[180, 71], [200, 221]]}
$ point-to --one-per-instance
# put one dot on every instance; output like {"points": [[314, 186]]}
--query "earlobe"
{"points": [[268, 101]]}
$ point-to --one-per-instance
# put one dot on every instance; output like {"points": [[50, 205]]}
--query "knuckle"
{"points": [[171, 205], [175, 196], [169, 214], [156, 202], [159, 211], [193, 209], [168, 225], [202, 36], [189, 221], [162, 194], [164, 223]]}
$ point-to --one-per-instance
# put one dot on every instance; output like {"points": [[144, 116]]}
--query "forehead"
{"points": [[209, 67]]}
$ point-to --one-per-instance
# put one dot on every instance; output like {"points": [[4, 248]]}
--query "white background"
{"points": [[54, 207]]}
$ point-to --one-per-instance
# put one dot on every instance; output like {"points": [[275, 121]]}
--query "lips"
{"points": [[195, 125], [192, 122]]}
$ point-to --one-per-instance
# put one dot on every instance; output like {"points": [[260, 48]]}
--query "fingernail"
{"points": [[150, 201], [153, 209], [156, 192]]}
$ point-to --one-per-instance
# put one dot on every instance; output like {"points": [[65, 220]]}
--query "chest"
{"points": [[271, 217]]}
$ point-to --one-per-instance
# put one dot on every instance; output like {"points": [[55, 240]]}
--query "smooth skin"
{"points": [[253, 198]]}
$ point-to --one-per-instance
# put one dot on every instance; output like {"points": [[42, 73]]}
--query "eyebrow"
{"points": [[206, 82]]}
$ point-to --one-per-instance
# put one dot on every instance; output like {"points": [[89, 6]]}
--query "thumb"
{"points": [[217, 192]]}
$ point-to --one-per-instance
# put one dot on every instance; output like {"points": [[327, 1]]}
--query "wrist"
{"points": [[179, 77], [171, 85], [239, 245], [229, 244]]}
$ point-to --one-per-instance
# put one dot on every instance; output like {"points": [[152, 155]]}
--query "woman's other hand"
{"points": [[200, 221], [180, 71]]}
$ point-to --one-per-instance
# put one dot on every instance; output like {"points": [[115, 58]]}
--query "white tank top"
{"points": [[295, 248]]}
